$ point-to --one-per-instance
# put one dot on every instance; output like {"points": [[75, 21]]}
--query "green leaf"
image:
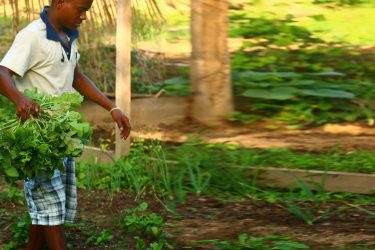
{"points": [[155, 231], [285, 90], [143, 206], [11, 172], [43, 148], [263, 76], [289, 245], [328, 74], [177, 80], [74, 99], [328, 93], [275, 94], [299, 83], [318, 18]]}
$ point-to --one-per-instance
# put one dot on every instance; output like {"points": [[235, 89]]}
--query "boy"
{"points": [[44, 55]]}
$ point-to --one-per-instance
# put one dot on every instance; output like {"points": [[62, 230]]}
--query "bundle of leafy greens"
{"points": [[38, 145]]}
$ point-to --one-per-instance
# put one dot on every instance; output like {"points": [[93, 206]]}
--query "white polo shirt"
{"points": [[41, 62]]}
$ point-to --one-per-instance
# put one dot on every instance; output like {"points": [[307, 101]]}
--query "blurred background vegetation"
{"points": [[303, 63]]}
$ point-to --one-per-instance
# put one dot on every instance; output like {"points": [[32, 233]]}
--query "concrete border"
{"points": [[97, 155], [146, 111], [330, 181]]}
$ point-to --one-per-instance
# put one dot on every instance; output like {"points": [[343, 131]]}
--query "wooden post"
{"points": [[123, 76]]}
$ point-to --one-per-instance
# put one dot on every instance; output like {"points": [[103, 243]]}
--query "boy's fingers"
{"points": [[121, 128], [26, 110], [119, 124], [123, 132], [123, 124], [127, 124]]}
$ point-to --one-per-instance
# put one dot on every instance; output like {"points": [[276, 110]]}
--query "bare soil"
{"points": [[202, 218], [347, 136]]}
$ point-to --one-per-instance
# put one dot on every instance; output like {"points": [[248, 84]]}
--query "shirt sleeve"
{"points": [[22, 54]]}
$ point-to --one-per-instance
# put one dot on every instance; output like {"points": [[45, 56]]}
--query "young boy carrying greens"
{"points": [[44, 55]]}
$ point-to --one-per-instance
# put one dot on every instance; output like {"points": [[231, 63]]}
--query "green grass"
{"points": [[257, 243], [329, 24], [222, 155], [216, 170], [336, 28]]}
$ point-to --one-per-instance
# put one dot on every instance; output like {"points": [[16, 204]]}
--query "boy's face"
{"points": [[73, 12]]}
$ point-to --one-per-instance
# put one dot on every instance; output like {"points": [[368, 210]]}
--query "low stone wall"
{"points": [[145, 111]]}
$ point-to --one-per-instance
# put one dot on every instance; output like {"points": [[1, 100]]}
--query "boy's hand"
{"points": [[122, 122], [26, 108]]}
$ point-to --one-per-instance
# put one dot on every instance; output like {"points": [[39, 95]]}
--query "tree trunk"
{"points": [[210, 65]]}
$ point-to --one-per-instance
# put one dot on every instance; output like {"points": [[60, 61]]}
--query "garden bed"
{"points": [[204, 218]]}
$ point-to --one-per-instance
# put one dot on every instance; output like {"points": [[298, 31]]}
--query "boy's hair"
{"points": [[53, 1]]}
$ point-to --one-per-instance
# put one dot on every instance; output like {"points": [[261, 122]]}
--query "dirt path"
{"points": [[355, 136]]}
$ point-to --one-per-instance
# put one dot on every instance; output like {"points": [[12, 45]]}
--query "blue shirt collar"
{"points": [[51, 32]]}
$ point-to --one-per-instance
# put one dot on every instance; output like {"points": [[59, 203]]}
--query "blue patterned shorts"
{"points": [[53, 201]]}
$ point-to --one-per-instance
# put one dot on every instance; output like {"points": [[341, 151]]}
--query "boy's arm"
{"points": [[25, 107], [88, 89]]}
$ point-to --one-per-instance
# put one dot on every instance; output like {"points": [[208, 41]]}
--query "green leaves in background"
{"points": [[179, 86], [287, 85], [304, 98], [279, 32], [343, 2]]}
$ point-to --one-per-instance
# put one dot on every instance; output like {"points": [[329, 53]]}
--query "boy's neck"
{"points": [[54, 22]]}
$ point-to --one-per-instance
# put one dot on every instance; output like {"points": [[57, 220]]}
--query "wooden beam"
{"points": [[123, 76]]}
